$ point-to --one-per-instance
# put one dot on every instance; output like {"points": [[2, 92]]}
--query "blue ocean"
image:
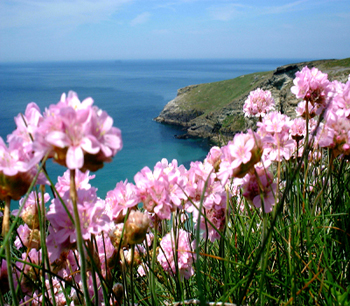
{"points": [[132, 92]]}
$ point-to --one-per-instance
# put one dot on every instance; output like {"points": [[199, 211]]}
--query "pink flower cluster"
{"points": [[80, 136], [17, 168], [93, 219], [313, 87], [77, 134], [177, 251], [258, 103], [259, 187], [275, 133], [335, 132], [161, 190]]}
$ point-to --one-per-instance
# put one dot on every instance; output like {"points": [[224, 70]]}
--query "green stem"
{"points": [[132, 274], [154, 255], [5, 230], [74, 196]]}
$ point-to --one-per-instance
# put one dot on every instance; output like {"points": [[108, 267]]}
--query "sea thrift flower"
{"points": [[17, 169], [203, 185], [217, 216], [91, 210], [4, 283], [78, 135], [311, 112], [177, 180], [106, 253], [341, 100], [260, 184], [31, 274], [81, 181], [312, 86], [240, 155], [153, 190], [185, 254], [298, 129], [335, 134], [27, 237], [274, 131], [26, 126], [65, 264], [214, 157], [91, 213], [258, 103], [118, 200]]}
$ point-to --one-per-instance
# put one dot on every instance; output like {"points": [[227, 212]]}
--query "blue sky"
{"points": [[45, 30]]}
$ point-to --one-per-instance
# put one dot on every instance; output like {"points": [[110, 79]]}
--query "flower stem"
{"points": [[131, 274], [74, 196], [5, 230]]}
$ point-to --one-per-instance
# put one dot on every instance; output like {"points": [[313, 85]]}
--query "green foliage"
{"points": [[338, 63], [212, 96], [234, 123]]}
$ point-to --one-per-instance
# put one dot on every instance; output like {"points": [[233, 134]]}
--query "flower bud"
{"points": [[118, 291], [30, 216], [136, 227], [116, 236]]}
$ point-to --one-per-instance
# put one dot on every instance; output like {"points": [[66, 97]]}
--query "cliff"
{"points": [[215, 110]]}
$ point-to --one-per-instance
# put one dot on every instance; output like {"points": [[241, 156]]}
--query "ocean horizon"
{"points": [[133, 92]]}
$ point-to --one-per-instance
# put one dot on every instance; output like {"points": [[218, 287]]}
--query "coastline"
{"points": [[214, 111]]}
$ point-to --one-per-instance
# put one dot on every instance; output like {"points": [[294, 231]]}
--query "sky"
{"points": [[61, 30]]}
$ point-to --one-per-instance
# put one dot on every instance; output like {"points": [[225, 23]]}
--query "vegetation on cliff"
{"points": [[214, 110]]}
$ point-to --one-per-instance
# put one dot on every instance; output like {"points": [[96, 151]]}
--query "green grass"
{"points": [[213, 96], [233, 123], [345, 63]]}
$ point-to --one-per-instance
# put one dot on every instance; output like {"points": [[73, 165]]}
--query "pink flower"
{"points": [[74, 137], [274, 130], [26, 126], [118, 200], [81, 181], [17, 169], [153, 190], [298, 129], [106, 253], [73, 101], [202, 181], [312, 86], [257, 184], [77, 134], [27, 237], [214, 157], [240, 155], [335, 134], [258, 103], [93, 219], [177, 180], [217, 216], [4, 288], [185, 254], [32, 274]]}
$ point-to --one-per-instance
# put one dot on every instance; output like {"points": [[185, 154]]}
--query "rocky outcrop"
{"points": [[203, 119]]}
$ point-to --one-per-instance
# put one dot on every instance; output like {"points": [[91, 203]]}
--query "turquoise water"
{"points": [[132, 92]]}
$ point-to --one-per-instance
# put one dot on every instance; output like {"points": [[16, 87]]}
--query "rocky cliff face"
{"points": [[221, 123]]}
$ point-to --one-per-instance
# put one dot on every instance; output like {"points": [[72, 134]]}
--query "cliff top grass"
{"points": [[345, 63], [211, 96]]}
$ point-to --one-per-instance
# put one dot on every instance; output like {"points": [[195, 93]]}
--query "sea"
{"points": [[133, 92]]}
